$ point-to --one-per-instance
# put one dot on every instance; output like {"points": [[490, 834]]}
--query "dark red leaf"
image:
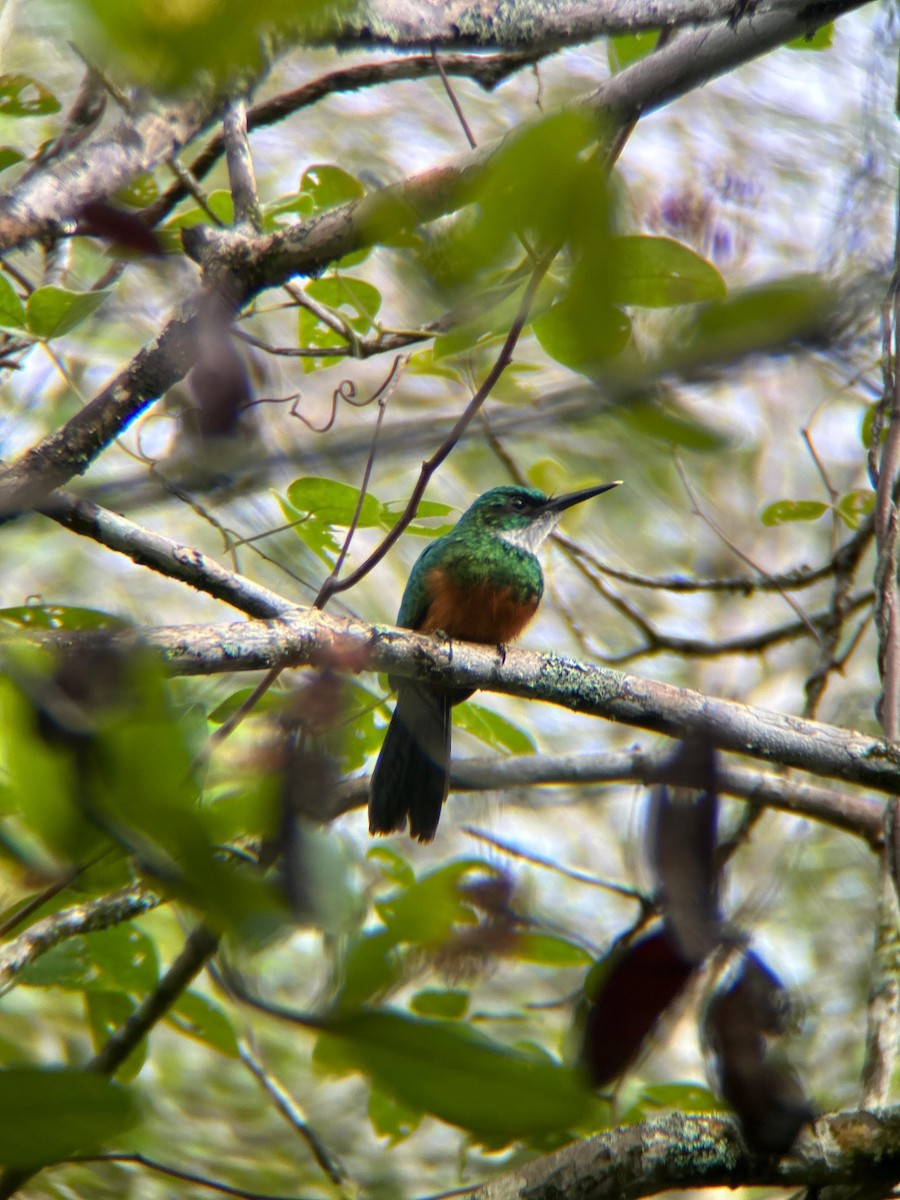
{"points": [[647, 977]]}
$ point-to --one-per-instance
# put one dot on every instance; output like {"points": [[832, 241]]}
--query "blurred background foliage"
{"points": [[708, 333]]}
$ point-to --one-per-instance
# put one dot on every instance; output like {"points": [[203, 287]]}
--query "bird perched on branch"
{"points": [[481, 582]]}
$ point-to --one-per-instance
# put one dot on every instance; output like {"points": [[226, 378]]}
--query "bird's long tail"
{"points": [[411, 776]]}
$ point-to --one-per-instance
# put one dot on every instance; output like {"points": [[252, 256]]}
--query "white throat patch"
{"points": [[531, 536]]}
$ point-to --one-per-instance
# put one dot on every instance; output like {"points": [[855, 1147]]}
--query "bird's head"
{"points": [[523, 516]]}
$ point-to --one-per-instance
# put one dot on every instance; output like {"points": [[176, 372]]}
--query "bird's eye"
{"points": [[517, 502]]}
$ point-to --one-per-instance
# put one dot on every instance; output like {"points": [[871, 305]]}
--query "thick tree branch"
{"points": [[698, 1151], [519, 24], [103, 913], [308, 637], [49, 195]]}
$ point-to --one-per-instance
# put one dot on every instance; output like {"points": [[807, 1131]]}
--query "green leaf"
{"points": [[770, 315], [9, 156], [627, 48], [450, 1003], [856, 505], [427, 912], [822, 39], [22, 96], [170, 48], [53, 311], [314, 533], [327, 185], [686, 1097], [125, 957], [356, 301], [392, 864], [493, 729], [67, 965], [655, 272], [332, 502], [792, 510], [12, 311], [582, 334], [60, 616], [459, 1075], [390, 1118], [138, 192], [549, 950], [107, 1012], [50, 1114], [652, 420], [202, 1019], [272, 701], [371, 967]]}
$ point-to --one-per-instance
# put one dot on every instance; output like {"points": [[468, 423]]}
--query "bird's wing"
{"points": [[415, 602]]}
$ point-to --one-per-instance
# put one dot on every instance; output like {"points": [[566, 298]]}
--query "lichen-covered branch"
{"points": [[698, 1151], [307, 637], [104, 913], [518, 24]]}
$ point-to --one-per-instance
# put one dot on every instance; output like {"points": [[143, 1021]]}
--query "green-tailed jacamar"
{"points": [[481, 582]]}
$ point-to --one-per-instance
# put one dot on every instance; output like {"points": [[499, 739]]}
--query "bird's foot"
{"points": [[501, 653]]}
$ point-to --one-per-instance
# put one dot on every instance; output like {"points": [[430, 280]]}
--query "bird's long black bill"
{"points": [[558, 504]]}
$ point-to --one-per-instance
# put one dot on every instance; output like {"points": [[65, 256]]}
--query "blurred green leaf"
{"points": [[22, 96], [493, 729], [792, 510], [426, 912], [765, 318], [314, 533], [327, 185], [138, 192], [855, 505], [169, 47], [627, 48], [655, 272], [67, 965], [126, 957], [370, 967], [53, 311], [393, 865], [822, 39], [390, 1118], [60, 616], [12, 311], [685, 1097], [549, 950], [204, 1020], [459, 1075], [50, 1114], [9, 156], [354, 300], [663, 423], [582, 334], [449, 1003]]}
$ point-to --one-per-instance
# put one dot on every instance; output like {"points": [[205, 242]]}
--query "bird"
{"points": [[481, 582]]}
